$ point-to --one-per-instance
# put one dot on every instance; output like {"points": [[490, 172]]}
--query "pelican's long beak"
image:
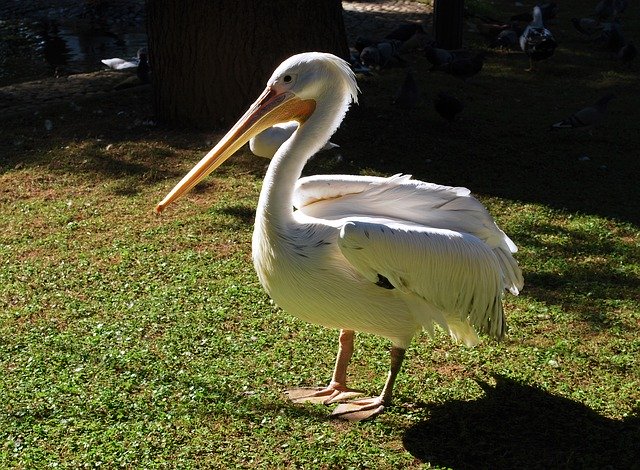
{"points": [[269, 109]]}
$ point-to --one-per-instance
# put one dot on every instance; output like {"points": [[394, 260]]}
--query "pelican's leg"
{"points": [[365, 408], [337, 389]]}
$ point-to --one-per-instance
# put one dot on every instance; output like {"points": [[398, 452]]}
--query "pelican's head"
{"points": [[294, 92]]}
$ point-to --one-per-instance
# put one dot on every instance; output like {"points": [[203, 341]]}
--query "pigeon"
{"points": [[587, 26], [490, 28], [447, 106], [405, 31], [610, 9], [381, 54], [587, 117], [463, 67], [437, 56], [406, 37], [507, 38], [611, 38], [408, 95], [627, 53], [356, 65], [143, 71], [536, 41]]}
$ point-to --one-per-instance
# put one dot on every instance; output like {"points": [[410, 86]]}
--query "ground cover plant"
{"points": [[129, 340]]}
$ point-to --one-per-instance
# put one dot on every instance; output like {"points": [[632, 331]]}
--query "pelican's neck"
{"points": [[275, 206]]}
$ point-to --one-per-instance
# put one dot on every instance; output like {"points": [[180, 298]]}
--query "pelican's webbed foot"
{"points": [[333, 393], [359, 410]]}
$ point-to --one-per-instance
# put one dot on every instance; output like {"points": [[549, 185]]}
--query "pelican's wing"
{"points": [[404, 199], [431, 264], [269, 141]]}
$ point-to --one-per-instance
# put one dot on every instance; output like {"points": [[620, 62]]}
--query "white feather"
{"points": [[404, 199], [119, 64], [427, 262], [269, 141]]}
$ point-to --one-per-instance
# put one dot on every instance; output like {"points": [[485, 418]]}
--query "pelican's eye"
{"points": [[289, 79]]}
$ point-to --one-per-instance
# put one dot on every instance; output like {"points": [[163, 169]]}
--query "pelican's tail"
{"points": [[513, 280], [462, 332]]}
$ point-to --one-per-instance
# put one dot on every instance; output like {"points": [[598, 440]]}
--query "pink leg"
{"points": [[337, 389], [365, 408]]}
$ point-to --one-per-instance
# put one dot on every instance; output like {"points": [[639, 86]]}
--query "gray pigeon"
{"points": [[463, 67], [587, 26], [587, 117], [437, 56], [382, 54]]}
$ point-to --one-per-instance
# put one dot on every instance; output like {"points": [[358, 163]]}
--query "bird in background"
{"points": [[587, 26], [536, 41], [382, 54], [447, 105], [408, 95], [610, 9], [140, 64], [507, 38], [141, 60], [405, 31], [586, 118], [611, 37], [627, 53], [384, 256], [549, 11], [405, 37], [143, 70], [267, 142], [463, 67], [436, 55]]}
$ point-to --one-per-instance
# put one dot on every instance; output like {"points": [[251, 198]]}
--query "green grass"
{"points": [[129, 340]]}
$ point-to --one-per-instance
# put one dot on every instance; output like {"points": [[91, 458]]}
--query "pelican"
{"points": [[384, 256], [268, 141]]}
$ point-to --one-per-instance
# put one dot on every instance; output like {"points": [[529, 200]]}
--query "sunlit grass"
{"points": [[136, 341]]}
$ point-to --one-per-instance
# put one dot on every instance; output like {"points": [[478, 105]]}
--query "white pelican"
{"points": [[386, 256], [267, 142]]}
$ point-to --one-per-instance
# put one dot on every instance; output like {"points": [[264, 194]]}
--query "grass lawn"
{"points": [[129, 340]]}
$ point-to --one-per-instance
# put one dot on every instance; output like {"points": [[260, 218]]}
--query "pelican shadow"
{"points": [[518, 426]]}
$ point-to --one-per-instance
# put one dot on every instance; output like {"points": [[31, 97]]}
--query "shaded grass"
{"points": [[138, 341]]}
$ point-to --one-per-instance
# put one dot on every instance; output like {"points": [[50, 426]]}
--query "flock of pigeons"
{"points": [[528, 31]]}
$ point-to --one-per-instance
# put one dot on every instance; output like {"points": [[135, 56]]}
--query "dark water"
{"points": [[43, 47]]}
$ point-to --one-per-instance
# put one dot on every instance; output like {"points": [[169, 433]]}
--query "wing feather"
{"points": [[456, 273], [404, 199]]}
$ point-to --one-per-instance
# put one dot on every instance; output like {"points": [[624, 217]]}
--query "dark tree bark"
{"points": [[211, 58], [448, 23]]}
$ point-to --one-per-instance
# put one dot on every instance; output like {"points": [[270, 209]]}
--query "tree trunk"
{"points": [[210, 59], [448, 22]]}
